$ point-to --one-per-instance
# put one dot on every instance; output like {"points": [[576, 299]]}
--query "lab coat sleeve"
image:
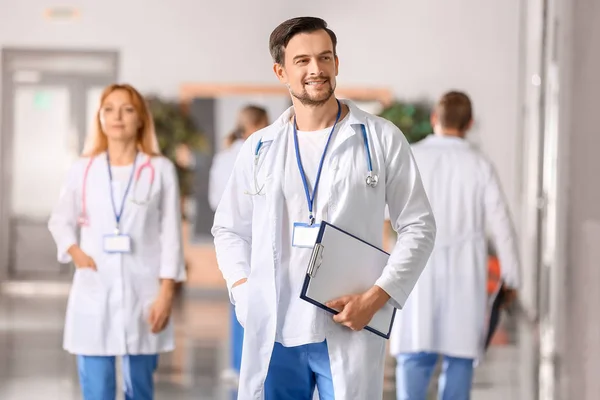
{"points": [[502, 230], [63, 219], [232, 228], [172, 264], [411, 217]]}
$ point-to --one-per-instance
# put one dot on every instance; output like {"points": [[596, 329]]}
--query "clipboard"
{"points": [[342, 264], [493, 315]]}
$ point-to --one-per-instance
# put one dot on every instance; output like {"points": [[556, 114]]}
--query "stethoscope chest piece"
{"points": [[372, 180]]}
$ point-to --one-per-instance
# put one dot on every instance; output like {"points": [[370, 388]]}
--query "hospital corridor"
{"points": [[271, 200]]}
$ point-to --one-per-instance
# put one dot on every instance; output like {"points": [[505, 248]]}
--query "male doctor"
{"points": [[446, 314], [290, 345]]}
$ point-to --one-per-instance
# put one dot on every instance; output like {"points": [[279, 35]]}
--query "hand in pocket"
{"points": [[81, 259], [240, 298]]}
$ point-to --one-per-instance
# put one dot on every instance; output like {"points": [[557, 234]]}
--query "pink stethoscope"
{"points": [[83, 218]]}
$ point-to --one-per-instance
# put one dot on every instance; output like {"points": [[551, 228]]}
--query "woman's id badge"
{"points": [[117, 243], [305, 235]]}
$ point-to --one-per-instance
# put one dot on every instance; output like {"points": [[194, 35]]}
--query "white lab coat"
{"points": [[248, 228], [107, 310], [446, 313], [220, 171]]}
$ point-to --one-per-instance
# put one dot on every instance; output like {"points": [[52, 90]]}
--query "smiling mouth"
{"points": [[316, 83]]}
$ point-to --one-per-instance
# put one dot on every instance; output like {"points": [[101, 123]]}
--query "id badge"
{"points": [[305, 235], [117, 244]]}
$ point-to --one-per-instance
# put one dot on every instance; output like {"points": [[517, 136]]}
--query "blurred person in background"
{"points": [[445, 316], [123, 197], [250, 119]]}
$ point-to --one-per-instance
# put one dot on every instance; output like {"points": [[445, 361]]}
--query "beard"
{"points": [[314, 100]]}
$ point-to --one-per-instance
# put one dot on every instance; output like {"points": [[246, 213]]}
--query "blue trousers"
{"points": [[414, 372], [237, 341], [295, 371], [97, 377]]}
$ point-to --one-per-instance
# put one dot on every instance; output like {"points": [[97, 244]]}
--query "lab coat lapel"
{"points": [[98, 194], [341, 141], [143, 191], [260, 332], [354, 120], [274, 185]]}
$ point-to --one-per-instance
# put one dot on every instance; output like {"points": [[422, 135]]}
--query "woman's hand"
{"points": [[160, 312], [80, 259]]}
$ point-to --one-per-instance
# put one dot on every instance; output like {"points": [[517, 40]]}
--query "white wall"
{"points": [[417, 48]]}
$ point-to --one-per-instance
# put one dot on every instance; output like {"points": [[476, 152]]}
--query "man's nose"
{"points": [[314, 68]]}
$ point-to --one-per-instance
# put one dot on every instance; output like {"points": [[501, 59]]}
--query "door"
{"points": [[44, 144], [46, 118]]}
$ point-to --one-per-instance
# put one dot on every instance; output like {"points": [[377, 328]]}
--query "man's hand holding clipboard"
{"points": [[355, 311]]}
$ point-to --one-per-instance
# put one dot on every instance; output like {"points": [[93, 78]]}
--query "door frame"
{"points": [[74, 78]]}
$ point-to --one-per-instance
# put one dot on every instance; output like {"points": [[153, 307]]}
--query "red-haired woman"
{"points": [[118, 220]]}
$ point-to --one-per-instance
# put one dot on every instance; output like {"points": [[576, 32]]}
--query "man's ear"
{"points": [[280, 73]]}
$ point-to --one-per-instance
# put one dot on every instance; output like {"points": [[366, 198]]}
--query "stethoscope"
{"points": [[83, 219], [371, 180], [258, 189]]}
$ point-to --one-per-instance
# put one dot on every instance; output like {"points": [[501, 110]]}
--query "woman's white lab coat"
{"points": [[107, 309], [446, 313], [220, 171], [248, 231]]}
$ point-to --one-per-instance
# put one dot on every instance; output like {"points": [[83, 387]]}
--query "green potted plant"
{"points": [[413, 119], [173, 127]]}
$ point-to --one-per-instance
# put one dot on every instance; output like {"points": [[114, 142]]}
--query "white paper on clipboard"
{"points": [[342, 264]]}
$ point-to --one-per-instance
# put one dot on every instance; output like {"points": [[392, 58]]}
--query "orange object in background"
{"points": [[493, 275], [500, 337]]}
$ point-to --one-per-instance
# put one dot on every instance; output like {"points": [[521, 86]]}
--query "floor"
{"points": [[34, 366]]}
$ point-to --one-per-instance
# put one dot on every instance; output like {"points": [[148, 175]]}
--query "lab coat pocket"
{"points": [[349, 182], [240, 298], [88, 292], [143, 202]]}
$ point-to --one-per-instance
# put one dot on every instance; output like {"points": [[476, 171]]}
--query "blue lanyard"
{"points": [[311, 199], [112, 197]]}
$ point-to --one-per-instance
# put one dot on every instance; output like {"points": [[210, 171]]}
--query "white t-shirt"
{"points": [[120, 179], [122, 173], [300, 322]]}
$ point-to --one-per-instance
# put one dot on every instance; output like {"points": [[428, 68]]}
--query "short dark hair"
{"points": [[281, 36], [454, 110]]}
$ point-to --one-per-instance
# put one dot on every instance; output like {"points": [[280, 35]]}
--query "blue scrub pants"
{"points": [[414, 371], [97, 377], [294, 372], [237, 341]]}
